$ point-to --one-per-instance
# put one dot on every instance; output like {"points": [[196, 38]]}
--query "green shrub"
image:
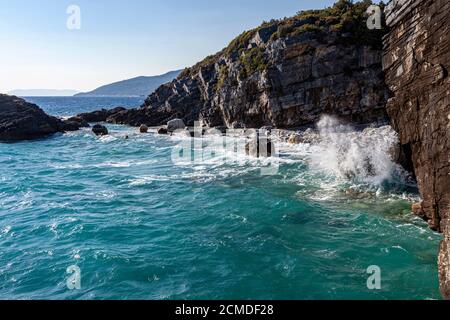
{"points": [[223, 75], [253, 61]]}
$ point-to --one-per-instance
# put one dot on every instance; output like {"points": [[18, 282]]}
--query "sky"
{"points": [[120, 39]]}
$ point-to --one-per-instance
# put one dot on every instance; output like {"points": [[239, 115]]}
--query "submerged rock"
{"points": [[100, 130], [20, 120]]}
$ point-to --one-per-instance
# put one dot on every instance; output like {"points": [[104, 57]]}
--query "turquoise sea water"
{"points": [[140, 227]]}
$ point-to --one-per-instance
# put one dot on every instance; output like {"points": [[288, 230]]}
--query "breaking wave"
{"points": [[366, 156]]}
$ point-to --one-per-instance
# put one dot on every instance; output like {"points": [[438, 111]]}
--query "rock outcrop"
{"points": [[100, 115], [285, 74], [417, 63], [100, 130], [20, 120], [78, 121], [143, 129]]}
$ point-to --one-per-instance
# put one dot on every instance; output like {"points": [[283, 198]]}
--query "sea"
{"points": [[116, 217]]}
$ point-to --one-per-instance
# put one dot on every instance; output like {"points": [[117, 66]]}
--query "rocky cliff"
{"points": [[285, 73], [20, 120], [417, 61]]}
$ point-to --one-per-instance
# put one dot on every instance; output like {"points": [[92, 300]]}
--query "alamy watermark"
{"points": [[74, 281], [374, 280], [375, 15], [74, 19]]}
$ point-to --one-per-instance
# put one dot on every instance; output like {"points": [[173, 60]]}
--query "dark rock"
{"points": [[81, 122], [416, 60], [70, 125], [190, 132], [162, 131], [143, 129], [222, 129], [20, 120], [100, 130], [100, 115]]}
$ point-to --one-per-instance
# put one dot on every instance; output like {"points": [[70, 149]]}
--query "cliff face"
{"points": [[417, 61], [284, 74]]}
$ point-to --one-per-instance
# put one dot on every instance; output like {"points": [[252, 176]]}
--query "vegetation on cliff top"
{"points": [[345, 18]]}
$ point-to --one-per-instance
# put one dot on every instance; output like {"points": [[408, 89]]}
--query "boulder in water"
{"points": [[143, 129], [162, 131], [175, 124], [100, 130]]}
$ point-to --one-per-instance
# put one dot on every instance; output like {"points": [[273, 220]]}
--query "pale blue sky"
{"points": [[120, 39]]}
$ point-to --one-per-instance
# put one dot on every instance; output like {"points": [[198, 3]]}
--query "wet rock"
{"points": [[417, 209], [143, 129], [79, 120], [162, 131], [355, 194], [100, 130], [70, 125], [100, 115], [20, 120], [190, 132]]}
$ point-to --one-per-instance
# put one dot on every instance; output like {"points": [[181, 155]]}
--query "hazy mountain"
{"points": [[136, 87], [42, 93]]}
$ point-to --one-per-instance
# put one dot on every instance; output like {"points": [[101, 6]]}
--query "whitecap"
{"points": [[107, 138], [143, 180], [6, 230]]}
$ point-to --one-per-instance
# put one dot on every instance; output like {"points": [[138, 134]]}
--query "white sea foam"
{"points": [[358, 156], [6, 230]]}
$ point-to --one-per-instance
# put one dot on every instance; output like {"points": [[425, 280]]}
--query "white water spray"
{"points": [[363, 157]]}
